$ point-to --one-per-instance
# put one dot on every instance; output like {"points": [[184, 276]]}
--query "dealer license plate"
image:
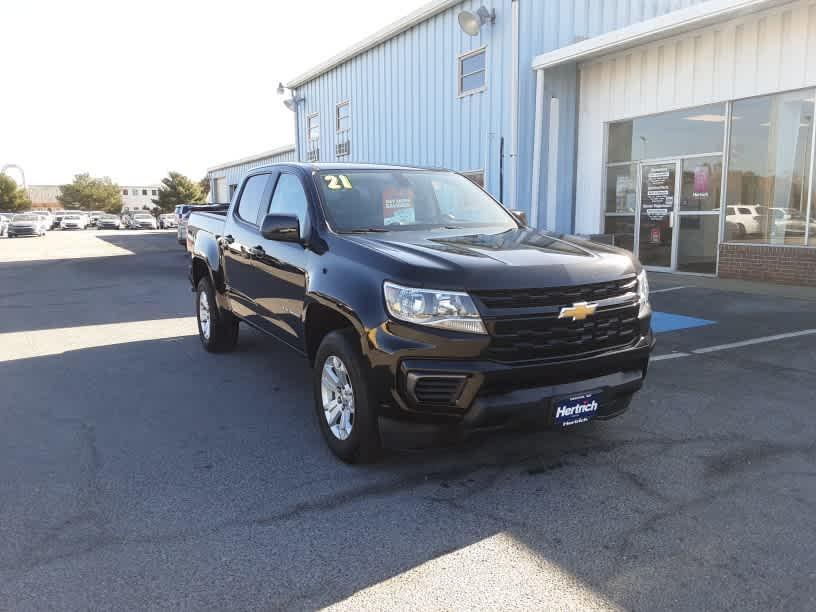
{"points": [[576, 409]]}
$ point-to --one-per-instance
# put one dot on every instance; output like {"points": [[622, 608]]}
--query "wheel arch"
{"points": [[320, 318]]}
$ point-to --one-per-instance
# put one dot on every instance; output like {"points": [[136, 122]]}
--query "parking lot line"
{"points": [[732, 345], [667, 289], [760, 340], [669, 356]]}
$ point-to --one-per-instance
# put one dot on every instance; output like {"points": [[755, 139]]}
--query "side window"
{"points": [[250, 202], [290, 199]]}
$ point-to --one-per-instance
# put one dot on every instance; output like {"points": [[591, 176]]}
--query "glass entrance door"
{"points": [[657, 202], [698, 211], [679, 213]]}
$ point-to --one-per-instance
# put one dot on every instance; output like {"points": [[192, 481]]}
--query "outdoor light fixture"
{"points": [[291, 101], [472, 23]]}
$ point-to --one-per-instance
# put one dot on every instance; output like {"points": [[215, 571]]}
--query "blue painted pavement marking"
{"points": [[666, 322]]}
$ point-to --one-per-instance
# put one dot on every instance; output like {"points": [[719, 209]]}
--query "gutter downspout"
{"points": [[514, 102], [297, 135], [537, 138]]}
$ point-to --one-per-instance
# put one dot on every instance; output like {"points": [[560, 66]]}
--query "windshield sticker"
{"points": [[337, 182], [398, 206]]}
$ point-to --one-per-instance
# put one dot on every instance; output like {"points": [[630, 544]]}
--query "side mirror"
{"points": [[284, 228], [520, 215]]}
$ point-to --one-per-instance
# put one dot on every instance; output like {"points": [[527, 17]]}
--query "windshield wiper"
{"points": [[364, 230]]}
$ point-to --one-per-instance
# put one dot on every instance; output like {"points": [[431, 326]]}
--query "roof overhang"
{"points": [[670, 24], [252, 158], [390, 31]]}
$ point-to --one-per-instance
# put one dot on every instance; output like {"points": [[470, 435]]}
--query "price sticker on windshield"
{"points": [[337, 181]]}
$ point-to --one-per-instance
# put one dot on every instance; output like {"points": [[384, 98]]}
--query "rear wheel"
{"points": [[345, 412], [217, 329]]}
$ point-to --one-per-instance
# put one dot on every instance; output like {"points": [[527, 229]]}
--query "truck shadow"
{"points": [[182, 451]]}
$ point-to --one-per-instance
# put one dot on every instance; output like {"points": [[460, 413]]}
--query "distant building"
{"points": [[225, 178], [139, 197], [44, 196]]}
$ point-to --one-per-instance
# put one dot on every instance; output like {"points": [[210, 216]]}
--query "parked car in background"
{"points": [[77, 220], [168, 221], [27, 224], [422, 304], [110, 222], [743, 220], [790, 222], [4, 223], [181, 230], [180, 210], [47, 217], [58, 215], [94, 216], [143, 221]]}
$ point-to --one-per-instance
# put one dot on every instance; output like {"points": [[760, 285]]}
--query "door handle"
{"points": [[228, 239], [257, 251]]}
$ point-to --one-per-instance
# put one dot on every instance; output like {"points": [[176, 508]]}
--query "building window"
{"points": [[767, 193], [473, 72], [144, 192], [343, 128], [313, 137], [124, 192], [153, 192]]}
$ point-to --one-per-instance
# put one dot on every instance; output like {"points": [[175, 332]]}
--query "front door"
{"points": [[657, 201], [679, 213], [280, 287]]}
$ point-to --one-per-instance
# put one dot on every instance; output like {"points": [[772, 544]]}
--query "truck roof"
{"points": [[322, 166]]}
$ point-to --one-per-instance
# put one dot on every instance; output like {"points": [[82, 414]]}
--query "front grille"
{"points": [[547, 337], [555, 296], [438, 390]]}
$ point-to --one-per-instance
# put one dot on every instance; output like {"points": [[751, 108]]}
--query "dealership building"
{"points": [[682, 130]]}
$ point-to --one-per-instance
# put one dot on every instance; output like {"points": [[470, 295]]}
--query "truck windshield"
{"points": [[392, 200]]}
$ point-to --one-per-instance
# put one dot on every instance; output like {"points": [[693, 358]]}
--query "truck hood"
{"points": [[518, 258]]}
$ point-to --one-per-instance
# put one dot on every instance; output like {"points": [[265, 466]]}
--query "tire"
{"points": [[359, 443], [217, 329]]}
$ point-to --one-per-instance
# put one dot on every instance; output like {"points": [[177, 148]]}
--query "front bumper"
{"points": [[23, 231], [420, 391]]}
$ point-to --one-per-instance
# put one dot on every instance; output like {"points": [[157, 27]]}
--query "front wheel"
{"points": [[217, 329], [347, 416]]}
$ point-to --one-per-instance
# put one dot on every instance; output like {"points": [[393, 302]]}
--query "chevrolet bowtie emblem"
{"points": [[578, 311]]}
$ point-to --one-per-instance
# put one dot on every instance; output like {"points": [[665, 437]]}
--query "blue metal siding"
{"points": [[405, 107], [404, 101], [233, 175]]}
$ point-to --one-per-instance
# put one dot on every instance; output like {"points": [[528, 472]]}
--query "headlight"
{"points": [[643, 291], [445, 309]]}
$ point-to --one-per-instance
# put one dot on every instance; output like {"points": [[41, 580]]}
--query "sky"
{"points": [[132, 90]]}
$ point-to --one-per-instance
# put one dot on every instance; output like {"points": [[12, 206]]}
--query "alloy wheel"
{"points": [[337, 394]]}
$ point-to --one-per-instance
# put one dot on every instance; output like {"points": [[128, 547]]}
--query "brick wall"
{"points": [[776, 264]]}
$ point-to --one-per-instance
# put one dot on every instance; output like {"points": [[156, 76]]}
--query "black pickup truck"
{"points": [[423, 305]]}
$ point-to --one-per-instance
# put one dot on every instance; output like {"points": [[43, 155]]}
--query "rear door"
{"points": [[281, 283], [241, 236]]}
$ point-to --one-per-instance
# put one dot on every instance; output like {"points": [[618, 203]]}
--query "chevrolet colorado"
{"points": [[422, 304]]}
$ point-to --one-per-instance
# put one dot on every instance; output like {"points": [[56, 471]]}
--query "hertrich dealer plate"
{"points": [[576, 408]]}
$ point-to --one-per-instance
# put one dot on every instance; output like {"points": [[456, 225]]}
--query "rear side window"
{"points": [[290, 199], [251, 196], [745, 211]]}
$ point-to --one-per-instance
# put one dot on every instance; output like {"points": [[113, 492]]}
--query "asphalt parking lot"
{"points": [[140, 472]]}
